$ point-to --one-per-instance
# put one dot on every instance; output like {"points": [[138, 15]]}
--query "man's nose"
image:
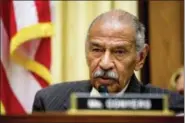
{"points": [[106, 62]]}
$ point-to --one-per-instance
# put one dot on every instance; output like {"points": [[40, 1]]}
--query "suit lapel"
{"points": [[81, 87], [134, 85], [85, 87]]}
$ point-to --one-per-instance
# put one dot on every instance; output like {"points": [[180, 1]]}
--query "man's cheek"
{"points": [[91, 66], [120, 67], [94, 63]]}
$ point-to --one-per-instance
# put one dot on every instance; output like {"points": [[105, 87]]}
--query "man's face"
{"points": [[111, 54]]}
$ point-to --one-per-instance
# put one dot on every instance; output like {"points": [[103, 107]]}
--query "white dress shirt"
{"points": [[94, 91]]}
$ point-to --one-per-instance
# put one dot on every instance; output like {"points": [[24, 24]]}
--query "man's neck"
{"points": [[94, 91]]}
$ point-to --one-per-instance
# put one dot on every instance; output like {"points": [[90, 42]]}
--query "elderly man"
{"points": [[115, 47]]}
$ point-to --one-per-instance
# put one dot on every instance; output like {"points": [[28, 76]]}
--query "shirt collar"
{"points": [[94, 91]]}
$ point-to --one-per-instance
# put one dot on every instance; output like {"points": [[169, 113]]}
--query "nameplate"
{"points": [[140, 102]]}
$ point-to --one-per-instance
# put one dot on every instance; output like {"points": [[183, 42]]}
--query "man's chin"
{"points": [[113, 86]]}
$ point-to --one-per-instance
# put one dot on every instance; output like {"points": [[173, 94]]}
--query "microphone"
{"points": [[103, 90]]}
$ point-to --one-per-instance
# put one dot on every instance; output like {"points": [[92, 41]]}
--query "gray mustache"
{"points": [[106, 74]]}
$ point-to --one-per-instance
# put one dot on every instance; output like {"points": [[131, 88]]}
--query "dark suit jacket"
{"points": [[56, 97]]}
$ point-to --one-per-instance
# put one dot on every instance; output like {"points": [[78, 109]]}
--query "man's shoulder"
{"points": [[62, 90], [176, 101], [56, 97], [149, 88], [64, 87]]}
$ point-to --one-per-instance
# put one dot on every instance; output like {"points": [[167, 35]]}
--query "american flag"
{"points": [[26, 30]]}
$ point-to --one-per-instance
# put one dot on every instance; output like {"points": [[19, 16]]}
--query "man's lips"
{"points": [[105, 81]]}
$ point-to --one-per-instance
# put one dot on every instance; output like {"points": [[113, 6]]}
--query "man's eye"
{"points": [[119, 52], [97, 50]]}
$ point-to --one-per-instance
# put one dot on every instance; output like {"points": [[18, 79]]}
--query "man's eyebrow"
{"points": [[95, 44], [121, 46]]}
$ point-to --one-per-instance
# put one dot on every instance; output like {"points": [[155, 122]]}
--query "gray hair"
{"points": [[140, 35], [139, 27]]}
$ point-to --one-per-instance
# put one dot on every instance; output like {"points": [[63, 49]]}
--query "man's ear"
{"points": [[141, 56]]}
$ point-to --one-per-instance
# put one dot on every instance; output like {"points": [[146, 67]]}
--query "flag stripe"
{"points": [[8, 17], [11, 104], [7, 23], [25, 13], [43, 54], [9, 100], [43, 11]]}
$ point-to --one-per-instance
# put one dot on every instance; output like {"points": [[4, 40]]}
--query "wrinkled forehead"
{"points": [[115, 21], [112, 28], [117, 15], [114, 17]]}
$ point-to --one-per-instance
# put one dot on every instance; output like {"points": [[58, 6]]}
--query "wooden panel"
{"points": [[64, 118], [166, 40], [143, 9]]}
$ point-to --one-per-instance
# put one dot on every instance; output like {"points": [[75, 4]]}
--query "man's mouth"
{"points": [[105, 80]]}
